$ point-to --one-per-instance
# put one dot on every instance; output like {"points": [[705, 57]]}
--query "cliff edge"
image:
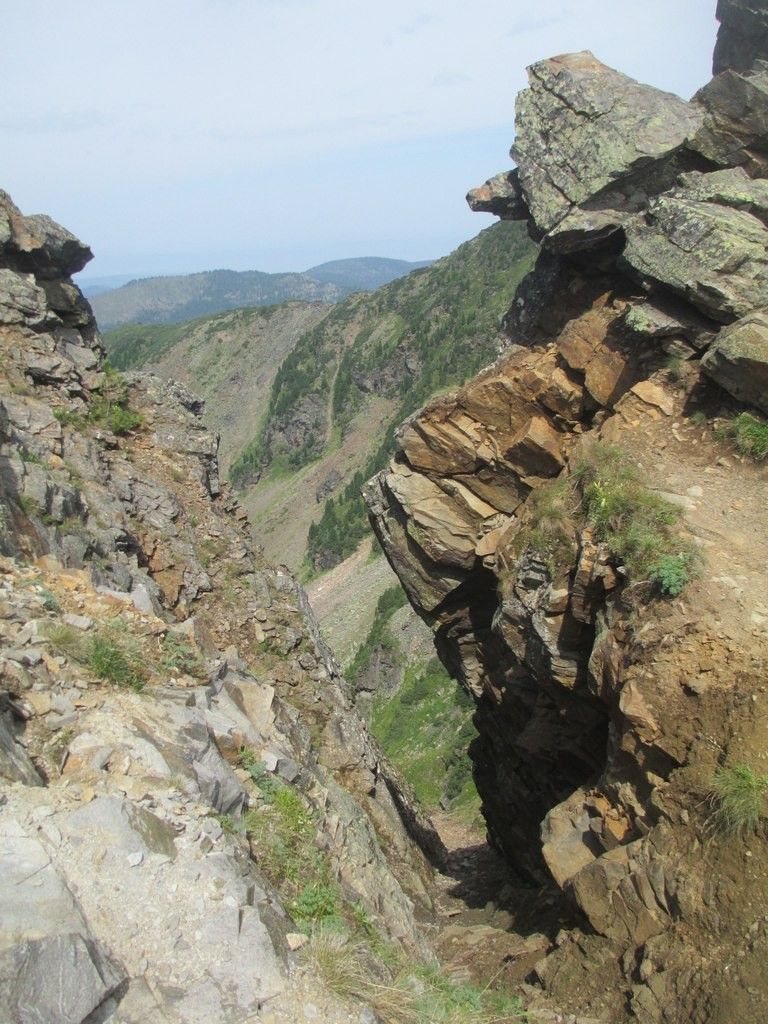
{"points": [[589, 546]]}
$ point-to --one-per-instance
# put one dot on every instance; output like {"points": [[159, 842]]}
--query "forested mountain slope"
{"points": [[372, 361], [229, 360], [176, 298]]}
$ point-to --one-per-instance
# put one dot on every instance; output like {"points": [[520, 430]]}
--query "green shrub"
{"points": [[738, 798], [632, 520], [264, 779], [671, 573], [316, 901], [50, 602], [181, 656], [68, 418], [108, 660], [114, 416], [749, 434], [121, 420]]}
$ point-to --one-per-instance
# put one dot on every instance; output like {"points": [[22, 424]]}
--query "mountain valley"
{"points": [[395, 651]]}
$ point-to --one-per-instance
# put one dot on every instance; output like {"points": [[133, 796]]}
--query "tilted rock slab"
{"points": [[583, 128], [707, 241]]}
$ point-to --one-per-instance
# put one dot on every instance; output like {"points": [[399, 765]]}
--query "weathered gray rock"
{"points": [[37, 244], [706, 241], [22, 302], [123, 826], [15, 764], [63, 979], [735, 129], [743, 35], [34, 901], [583, 128], [738, 359], [664, 317], [501, 195]]}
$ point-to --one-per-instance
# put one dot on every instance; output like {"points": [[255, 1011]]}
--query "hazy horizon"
{"points": [[279, 134]]}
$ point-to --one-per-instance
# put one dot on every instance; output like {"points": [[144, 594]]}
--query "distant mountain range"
{"points": [[166, 300]]}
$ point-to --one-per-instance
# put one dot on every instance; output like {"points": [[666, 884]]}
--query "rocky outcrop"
{"points": [[600, 725], [743, 35], [606, 138], [160, 682], [738, 360]]}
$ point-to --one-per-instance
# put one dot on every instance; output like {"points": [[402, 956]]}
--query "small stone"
{"points": [[211, 828], [56, 721], [78, 621], [62, 704], [27, 657], [134, 859]]}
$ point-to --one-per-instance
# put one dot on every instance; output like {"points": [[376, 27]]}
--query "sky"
{"points": [[183, 135]]}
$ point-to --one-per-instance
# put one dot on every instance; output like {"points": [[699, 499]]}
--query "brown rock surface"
{"points": [[603, 708]]}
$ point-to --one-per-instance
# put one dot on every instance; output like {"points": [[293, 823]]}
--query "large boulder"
{"points": [[743, 34], [735, 129], [738, 359], [38, 245], [583, 128], [707, 241]]}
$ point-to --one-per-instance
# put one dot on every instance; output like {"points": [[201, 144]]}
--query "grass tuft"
{"points": [[108, 654], [633, 521], [748, 434], [738, 799], [403, 993]]}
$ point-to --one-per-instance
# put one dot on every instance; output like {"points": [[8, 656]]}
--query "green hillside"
{"points": [[423, 333], [182, 297], [229, 360]]}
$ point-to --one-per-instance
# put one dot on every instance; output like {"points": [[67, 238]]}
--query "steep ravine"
{"points": [[591, 553]]}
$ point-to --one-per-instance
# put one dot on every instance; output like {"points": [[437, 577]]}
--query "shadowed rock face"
{"points": [[743, 35], [652, 218]]}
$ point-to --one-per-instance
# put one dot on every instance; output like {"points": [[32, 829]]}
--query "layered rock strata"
{"points": [[129, 892], [603, 708]]}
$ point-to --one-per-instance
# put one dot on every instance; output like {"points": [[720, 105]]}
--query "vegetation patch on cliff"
{"points": [[426, 728], [633, 521], [604, 492]]}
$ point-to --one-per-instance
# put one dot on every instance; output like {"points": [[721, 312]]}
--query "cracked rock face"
{"points": [[743, 35], [584, 129], [707, 241]]}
